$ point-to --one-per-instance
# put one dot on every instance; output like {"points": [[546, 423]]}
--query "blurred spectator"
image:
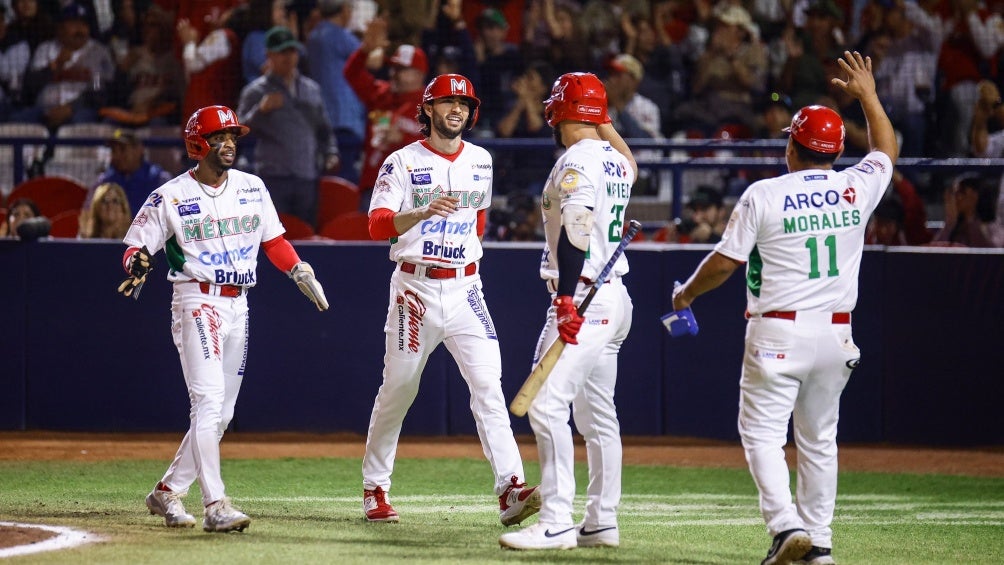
{"points": [[392, 105], [633, 115], [973, 36], [211, 62], [730, 72], [69, 74], [328, 48], [519, 220], [705, 217], [30, 24], [150, 76], [606, 22], [775, 115], [363, 12], [554, 33], [263, 15], [447, 42], [903, 59], [989, 109], [24, 221], [519, 170], [130, 170], [968, 213], [285, 112], [499, 63], [812, 53], [899, 219], [665, 78], [109, 216], [15, 53]]}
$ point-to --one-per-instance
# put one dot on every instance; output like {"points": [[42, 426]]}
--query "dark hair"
{"points": [[24, 202], [813, 157]]}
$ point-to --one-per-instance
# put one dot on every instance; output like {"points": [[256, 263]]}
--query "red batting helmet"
{"points": [[207, 121], [818, 128], [448, 85], [579, 97]]}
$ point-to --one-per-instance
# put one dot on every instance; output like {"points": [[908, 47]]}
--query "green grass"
{"points": [[309, 511]]}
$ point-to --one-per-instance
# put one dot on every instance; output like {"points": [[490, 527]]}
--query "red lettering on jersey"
{"points": [[416, 311]]}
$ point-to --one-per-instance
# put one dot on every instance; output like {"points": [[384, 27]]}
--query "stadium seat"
{"points": [[335, 196], [52, 194], [352, 226], [65, 224], [296, 227], [28, 152]]}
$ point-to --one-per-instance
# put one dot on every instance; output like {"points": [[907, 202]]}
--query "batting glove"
{"points": [[680, 322], [140, 265], [568, 318], [303, 274]]}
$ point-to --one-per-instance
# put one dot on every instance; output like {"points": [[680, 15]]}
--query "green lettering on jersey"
{"points": [[822, 221]]}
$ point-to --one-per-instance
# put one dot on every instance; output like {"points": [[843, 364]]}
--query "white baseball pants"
{"points": [[795, 367], [210, 333], [584, 377]]}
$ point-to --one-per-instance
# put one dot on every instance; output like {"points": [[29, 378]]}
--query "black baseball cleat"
{"points": [[788, 546], [817, 556]]}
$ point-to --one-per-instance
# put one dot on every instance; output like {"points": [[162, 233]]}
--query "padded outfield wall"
{"points": [[79, 357]]}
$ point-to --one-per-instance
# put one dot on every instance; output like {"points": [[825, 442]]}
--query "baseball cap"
{"points": [[825, 8], [491, 17], [73, 11], [123, 136], [410, 56], [279, 39], [625, 63], [738, 16]]}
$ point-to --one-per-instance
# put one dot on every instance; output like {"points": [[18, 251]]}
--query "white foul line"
{"points": [[65, 537]]}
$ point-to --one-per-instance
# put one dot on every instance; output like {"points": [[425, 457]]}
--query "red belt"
{"points": [[835, 318], [438, 272], [228, 290]]}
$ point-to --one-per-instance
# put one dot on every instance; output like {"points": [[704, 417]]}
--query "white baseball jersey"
{"points": [[414, 176], [810, 227], [593, 174], [209, 234]]}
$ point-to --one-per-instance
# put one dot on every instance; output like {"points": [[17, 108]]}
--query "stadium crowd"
{"points": [[673, 69]]}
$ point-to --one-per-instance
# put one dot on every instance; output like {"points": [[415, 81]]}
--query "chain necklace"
{"points": [[206, 191]]}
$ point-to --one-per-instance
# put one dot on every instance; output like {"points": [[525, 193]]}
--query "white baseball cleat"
{"points": [[541, 536], [221, 516], [518, 502], [168, 504], [607, 536]]}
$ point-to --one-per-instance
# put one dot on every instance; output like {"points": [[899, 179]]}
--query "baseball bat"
{"points": [[531, 386]]}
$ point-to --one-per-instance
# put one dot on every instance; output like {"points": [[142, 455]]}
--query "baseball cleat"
{"points": [[221, 516], [168, 504], [518, 503], [597, 537], [816, 556], [376, 506], [540, 536], [789, 545]]}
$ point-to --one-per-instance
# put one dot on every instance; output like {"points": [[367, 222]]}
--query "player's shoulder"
{"points": [[475, 151], [876, 164]]}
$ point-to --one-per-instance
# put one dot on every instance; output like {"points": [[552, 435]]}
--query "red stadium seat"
{"points": [[351, 226], [65, 224], [296, 227], [52, 194], [335, 196]]}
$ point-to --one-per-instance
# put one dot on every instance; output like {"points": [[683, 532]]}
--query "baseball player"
{"points": [[801, 236], [430, 200], [211, 221], [583, 207]]}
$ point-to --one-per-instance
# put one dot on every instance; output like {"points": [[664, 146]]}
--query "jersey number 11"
{"points": [[813, 246]]}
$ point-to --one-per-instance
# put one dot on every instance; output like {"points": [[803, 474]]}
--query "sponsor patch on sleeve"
{"points": [[569, 182]]}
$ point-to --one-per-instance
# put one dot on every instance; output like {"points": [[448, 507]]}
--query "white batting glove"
{"points": [[303, 274]]}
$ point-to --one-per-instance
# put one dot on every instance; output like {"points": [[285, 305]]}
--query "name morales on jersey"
{"points": [[825, 221], [209, 228], [432, 250], [817, 199], [245, 277], [227, 257], [468, 198]]}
